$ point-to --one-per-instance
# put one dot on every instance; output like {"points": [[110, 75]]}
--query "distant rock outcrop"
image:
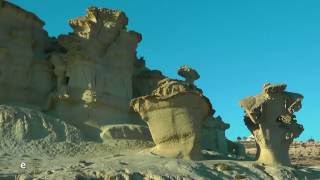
{"points": [[270, 117], [213, 135]]}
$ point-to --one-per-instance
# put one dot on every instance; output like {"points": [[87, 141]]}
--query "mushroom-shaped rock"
{"points": [[270, 117], [174, 113], [188, 73]]}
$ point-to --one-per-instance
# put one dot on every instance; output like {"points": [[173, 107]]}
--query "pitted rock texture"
{"points": [[270, 117]]}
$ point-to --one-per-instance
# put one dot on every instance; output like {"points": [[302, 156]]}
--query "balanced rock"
{"points": [[188, 73], [270, 117], [175, 113]]}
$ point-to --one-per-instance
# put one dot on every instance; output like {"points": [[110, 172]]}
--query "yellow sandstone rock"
{"points": [[270, 117], [94, 75], [175, 112]]}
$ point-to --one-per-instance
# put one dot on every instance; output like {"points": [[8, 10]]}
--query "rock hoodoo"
{"points": [[84, 106], [270, 117], [175, 113], [94, 75], [84, 78]]}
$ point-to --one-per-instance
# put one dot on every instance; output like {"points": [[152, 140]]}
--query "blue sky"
{"points": [[236, 46]]}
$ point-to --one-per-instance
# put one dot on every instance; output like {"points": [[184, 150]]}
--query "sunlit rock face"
{"points": [[26, 75], [270, 117], [175, 113], [95, 74]]}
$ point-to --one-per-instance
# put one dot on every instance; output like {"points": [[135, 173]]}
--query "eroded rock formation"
{"points": [[214, 140], [87, 79], [270, 117], [125, 131], [94, 76], [188, 73], [26, 76], [56, 94], [18, 125], [213, 135], [175, 113], [145, 80]]}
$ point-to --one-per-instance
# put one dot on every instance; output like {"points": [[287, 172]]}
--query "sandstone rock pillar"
{"points": [[175, 112], [270, 117]]}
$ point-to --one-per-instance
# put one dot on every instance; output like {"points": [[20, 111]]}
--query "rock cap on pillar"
{"points": [[270, 117], [175, 113]]}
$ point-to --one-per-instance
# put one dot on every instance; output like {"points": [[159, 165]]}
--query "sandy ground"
{"points": [[301, 153], [129, 160]]}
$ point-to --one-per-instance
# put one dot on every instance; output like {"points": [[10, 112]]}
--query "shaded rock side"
{"points": [[213, 135], [145, 81], [26, 75], [270, 117]]}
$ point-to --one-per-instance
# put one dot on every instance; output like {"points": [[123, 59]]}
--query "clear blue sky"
{"points": [[236, 46]]}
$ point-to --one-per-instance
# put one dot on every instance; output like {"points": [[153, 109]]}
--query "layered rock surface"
{"points": [[175, 113], [25, 75], [96, 70]]}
